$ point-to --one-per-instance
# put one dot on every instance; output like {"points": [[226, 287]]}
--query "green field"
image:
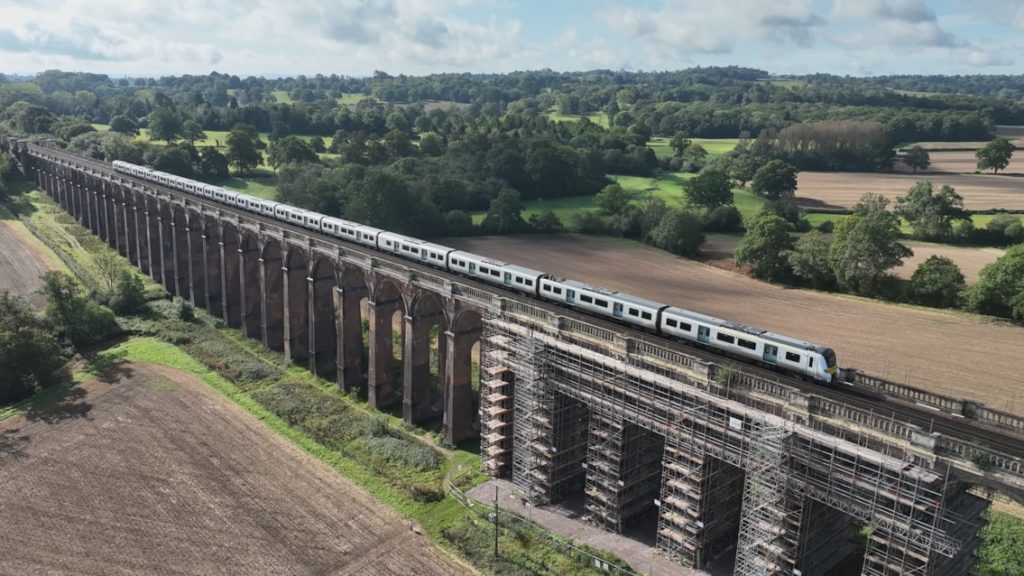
{"points": [[668, 187], [351, 98], [282, 97], [598, 118], [715, 146]]}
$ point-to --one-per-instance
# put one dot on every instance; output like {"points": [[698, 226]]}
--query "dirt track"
{"points": [[23, 260], [844, 189], [950, 353], [152, 472]]}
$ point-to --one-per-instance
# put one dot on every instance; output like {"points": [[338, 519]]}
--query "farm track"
{"points": [[147, 470], [958, 428]]}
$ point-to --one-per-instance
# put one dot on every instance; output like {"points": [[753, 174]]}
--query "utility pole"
{"points": [[495, 522]]}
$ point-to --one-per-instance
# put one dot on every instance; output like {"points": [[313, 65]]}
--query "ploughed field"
{"points": [[951, 353], [817, 190], [23, 260], [962, 162], [148, 471]]}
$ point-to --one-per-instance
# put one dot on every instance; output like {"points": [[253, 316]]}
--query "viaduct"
{"points": [[713, 459]]}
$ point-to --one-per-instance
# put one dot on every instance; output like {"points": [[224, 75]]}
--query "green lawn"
{"points": [[261, 185], [715, 146], [599, 118], [351, 98], [668, 187], [282, 97]]}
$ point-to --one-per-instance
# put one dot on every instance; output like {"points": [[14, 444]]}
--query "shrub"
{"points": [[401, 451], [186, 313], [724, 219], [129, 294], [827, 227]]}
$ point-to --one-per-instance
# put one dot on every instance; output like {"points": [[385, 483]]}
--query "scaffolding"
{"points": [[497, 390], [761, 549], [584, 415]]}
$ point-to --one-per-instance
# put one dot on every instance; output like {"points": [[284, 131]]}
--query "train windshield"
{"points": [[830, 357]]}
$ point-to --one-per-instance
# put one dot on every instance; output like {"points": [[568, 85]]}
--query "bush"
{"points": [[937, 282], [724, 219], [83, 321], [186, 312], [827, 227], [587, 222], [401, 451], [30, 357], [129, 294]]}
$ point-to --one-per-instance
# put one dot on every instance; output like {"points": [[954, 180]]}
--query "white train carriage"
{"points": [[340, 228], [758, 345], [602, 301], [496, 272], [367, 235], [414, 249]]}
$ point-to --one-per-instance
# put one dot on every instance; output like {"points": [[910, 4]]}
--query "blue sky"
{"points": [[356, 37]]}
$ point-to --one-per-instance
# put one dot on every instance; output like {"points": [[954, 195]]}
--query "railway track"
{"points": [[929, 420]]}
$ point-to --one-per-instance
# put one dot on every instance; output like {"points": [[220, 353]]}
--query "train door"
{"points": [[507, 279], [704, 334], [771, 353], [616, 309], [570, 296], [472, 267]]}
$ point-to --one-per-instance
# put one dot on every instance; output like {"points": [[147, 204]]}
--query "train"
{"points": [[804, 359]]}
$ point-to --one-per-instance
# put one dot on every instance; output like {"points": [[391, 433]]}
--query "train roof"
{"points": [[620, 296], [763, 334]]}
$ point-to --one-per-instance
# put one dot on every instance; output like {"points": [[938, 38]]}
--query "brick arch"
{"points": [[249, 252], [421, 386], [197, 270], [212, 265], [182, 261], [460, 401], [231, 289], [323, 318], [165, 223], [353, 287], [272, 281], [386, 300], [296, 305]]}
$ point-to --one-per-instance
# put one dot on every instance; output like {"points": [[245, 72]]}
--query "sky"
{"points": [[357, 37]]}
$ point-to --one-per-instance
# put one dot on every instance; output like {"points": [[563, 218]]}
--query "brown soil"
{"points": [[970, 259], [23, 260], [149, 471], [844, 189], [951, 353], [962, 162]]}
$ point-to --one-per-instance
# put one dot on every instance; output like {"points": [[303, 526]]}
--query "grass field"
{"points": [[715, 146], [598, 118]]}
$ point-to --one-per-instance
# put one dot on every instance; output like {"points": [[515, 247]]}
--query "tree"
{"points": [[743, 167], [1000, 289], [709, 189], [679, 143], [130, 294], [431, 144], [242, 152], [1003, 552], [290, 150], [317, 144], [678, 232], [192, 131], [774, 180], [109, 265], [764, 247], [931, 214], [995, 155], [164, 124], [79, 318], [809, 260], [866, 246], [726, 219], [917, 158], [30, 356], [938, 283], [612, 199], [546, 221], [213, 165], [124, 125], [505, 215]]}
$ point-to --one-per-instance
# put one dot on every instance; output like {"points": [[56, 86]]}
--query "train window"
{"points": [[810, 361], [684, 326], [633, 312], [725, 338], [671, 323], [792, 357], [519, 280], [414, 250], [485, 270], [747, 344], [558, 290], [587, 299], [645, 315], [388, 242], [529, 282], [495, 273], [601, 303]]}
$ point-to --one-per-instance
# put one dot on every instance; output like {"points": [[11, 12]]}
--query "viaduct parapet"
{"points": [[709, 458]]}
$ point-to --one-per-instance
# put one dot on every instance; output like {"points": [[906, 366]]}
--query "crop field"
{"points": [[23, 259], [844, 189], [970, 259], [947, 352], [962, 162], [146, 470]]}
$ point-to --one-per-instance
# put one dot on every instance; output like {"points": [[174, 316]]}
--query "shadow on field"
{"points": [[12, 444], [16, 201], [67, 406]]}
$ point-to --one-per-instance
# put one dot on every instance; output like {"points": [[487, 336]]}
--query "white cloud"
{"points": [[902, 10]]}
